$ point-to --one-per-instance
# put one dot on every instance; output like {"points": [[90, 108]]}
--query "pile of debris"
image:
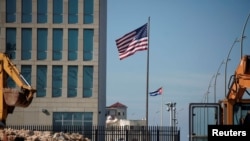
{"points": [[8, 134]]}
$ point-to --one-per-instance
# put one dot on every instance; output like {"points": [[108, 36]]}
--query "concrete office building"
{"points": [[60, 48]]}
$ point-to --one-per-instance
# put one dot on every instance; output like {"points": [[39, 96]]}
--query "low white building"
{"points": [[117, 116]]}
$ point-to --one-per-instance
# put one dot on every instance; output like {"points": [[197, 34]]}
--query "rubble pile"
{"points": [[29, 135]]}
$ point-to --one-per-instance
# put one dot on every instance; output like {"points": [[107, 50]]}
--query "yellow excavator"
{"points": [[228, 111], [20, 96], [234, 102]]}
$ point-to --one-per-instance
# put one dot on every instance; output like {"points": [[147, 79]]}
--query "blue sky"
{"points": [[188, 42]]}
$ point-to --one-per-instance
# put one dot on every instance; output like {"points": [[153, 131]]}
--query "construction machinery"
{"points": [[20, 96], [228, 111]]}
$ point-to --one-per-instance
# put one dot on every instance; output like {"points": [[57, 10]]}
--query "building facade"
{"points": [[59, 46]]}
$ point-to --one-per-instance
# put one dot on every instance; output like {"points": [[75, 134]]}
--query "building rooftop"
{"points": [[117, 105]]}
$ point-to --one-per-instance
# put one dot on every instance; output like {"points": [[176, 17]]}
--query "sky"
{"points": [[189, 42]]}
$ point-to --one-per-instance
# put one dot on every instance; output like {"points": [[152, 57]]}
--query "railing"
{"points": [[113, 133]]}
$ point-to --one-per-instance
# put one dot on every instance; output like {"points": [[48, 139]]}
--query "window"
{"points": [[10, 11], [87, 81], [10, 83], [56, 81], [57, 11], [82, 120], [42, 7], [26, 45], [41, 81], [88, 11], [73, 118], [57, 44], [72, 44], [11, 42], [26, 11], [88, 35], [26, 72], [73, 11], [72, 81], [42, 38]]}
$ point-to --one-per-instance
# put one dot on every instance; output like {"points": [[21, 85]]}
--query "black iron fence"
{"points": [[113, 133]]}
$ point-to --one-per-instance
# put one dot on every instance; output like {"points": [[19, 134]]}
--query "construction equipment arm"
{"points": [[241, 80], [238, 87], [10, 69]]}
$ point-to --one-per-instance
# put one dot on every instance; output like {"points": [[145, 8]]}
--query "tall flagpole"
{"points": [[162, 110], [148, 27]]}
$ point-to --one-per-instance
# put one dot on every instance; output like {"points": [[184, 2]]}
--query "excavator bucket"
{"points": [[21, 96], [13, 97]]}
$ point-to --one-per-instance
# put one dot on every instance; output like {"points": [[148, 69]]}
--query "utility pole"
{"points": [[172, 109]]}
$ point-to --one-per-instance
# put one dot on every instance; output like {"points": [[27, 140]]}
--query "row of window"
{"points": [[57, 80], [57, 43], [115, 112], [83, 121], [72, 118], [57, 11]]}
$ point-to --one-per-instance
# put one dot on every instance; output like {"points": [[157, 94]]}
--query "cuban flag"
{"points": [[157, 92]]}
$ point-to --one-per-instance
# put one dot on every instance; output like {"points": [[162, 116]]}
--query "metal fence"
{"points": [[113, 133]]}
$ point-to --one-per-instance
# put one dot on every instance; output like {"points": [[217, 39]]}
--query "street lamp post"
{"points": [[209, 86], [171, 108], [243, 36], [215, 79], [228, 59]]}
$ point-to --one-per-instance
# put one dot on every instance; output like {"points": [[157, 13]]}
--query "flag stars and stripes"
{"points": [[132, 42]]}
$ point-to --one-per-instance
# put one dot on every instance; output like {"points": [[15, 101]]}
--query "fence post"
{"points": [[126, 136], [158, 134], [96, 134]]}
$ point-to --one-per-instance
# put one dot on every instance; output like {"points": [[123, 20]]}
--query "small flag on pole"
{"points": [[136, 40], [157, 92]]}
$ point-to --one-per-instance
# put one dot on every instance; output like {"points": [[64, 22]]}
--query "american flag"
{"points": [[136, 40], [157, 92]]}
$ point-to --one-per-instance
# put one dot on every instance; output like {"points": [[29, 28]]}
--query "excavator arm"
{"points": [[9, 97], [239, 85], [241, 80]]}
